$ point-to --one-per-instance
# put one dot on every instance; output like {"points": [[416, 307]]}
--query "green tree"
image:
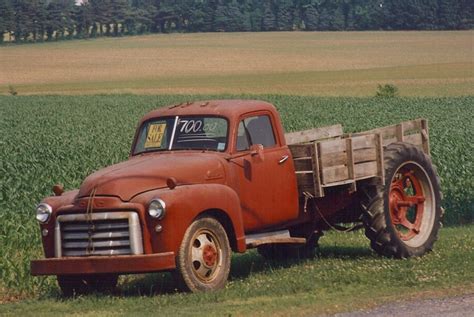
{"points": [[466, 7], [311, 18], [193, 16], [325, 19], [119, 13], [338, 18], [220, 18], [33, 20], [7, 18], [83, 19], [268, 19], [449, 14], [141, 17], [284, 15], [36, 14], [254, 13], [101, 12], [60, 19], [229, 18], [22, 22]]}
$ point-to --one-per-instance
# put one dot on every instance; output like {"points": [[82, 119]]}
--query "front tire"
{"points": [[403, 217], [203, 261]]}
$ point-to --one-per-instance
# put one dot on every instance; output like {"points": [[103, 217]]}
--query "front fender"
{"points": [[67, 198], [183, 205]]}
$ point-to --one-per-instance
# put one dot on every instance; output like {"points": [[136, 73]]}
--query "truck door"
{"points": [[266, 181]]}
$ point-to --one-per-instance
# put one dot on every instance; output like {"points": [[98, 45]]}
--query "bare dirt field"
{"points": [[297, 63]]}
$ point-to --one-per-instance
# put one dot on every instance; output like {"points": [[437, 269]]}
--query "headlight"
{"points": [[43, 212], [157, 208]]}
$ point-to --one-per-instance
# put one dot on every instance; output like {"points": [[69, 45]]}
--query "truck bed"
{"points": [[326, 157]]}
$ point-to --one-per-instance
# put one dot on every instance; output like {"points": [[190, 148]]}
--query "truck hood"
{"points": [[150, 171]]}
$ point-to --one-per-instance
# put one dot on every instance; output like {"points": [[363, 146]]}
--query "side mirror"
{"points": [[256, 150]]}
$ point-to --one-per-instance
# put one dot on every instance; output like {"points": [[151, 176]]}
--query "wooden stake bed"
{"points": [[326, 157]]}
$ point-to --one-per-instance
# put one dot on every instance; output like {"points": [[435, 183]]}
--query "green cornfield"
{"points": [[61, 139]]}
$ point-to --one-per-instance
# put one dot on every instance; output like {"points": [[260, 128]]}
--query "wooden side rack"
{"points": [[326, 157]]}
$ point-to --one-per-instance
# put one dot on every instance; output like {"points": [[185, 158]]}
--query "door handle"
{"points": [[283, 159]]}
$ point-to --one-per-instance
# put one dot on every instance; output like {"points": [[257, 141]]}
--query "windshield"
{"points": [[182, 133]]}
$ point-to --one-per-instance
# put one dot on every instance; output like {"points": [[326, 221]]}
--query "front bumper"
{"points": [[123, 264]]}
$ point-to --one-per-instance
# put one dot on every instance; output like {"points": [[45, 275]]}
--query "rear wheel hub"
{"points": [[406, 200]]}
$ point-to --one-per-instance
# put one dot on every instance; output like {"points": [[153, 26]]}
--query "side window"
{"points": [[255, 130]]}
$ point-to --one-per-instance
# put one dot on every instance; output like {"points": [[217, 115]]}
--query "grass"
{"points": [[296, 63], [346, 275], [61, 139]]}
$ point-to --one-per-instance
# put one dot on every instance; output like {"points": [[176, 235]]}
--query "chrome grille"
{"points": [[109, 233]]}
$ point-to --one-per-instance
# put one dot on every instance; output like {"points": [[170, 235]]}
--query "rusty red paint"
{"points": [[101, 264], [406, 193]]}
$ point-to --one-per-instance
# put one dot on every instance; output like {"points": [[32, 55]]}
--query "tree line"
{"points": [[47, 20]]}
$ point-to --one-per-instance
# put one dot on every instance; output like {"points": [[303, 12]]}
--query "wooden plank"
{"points": [[332, 146], [318, 189], [415, 139], [335, 174], [426, 136], [364, 155], [400, 133], [363, 141], [386, 132], [333, 159], [304, 164], [365, 169], [350, 163], [344, 182], [313, 134], [389, 141], [397, 131], [380, 159], [412, 126], [300, 150]]}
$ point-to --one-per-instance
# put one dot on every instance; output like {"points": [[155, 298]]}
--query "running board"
{"points": [[283, 236]]}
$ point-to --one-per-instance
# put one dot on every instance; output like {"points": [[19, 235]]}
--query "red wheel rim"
{"points": [[407, 203], [209, 254]]}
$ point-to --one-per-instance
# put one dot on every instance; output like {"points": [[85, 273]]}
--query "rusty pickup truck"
{"points": [[205, 179]]}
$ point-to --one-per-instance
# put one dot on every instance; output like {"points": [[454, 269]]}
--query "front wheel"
{"points": [[203, 261], [402, 218]]}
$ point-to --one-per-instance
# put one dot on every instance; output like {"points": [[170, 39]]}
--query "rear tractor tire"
{"points": [[403, 217], [203, 261]]}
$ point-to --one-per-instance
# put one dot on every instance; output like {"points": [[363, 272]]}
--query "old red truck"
{"points": [[205, 179]]}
